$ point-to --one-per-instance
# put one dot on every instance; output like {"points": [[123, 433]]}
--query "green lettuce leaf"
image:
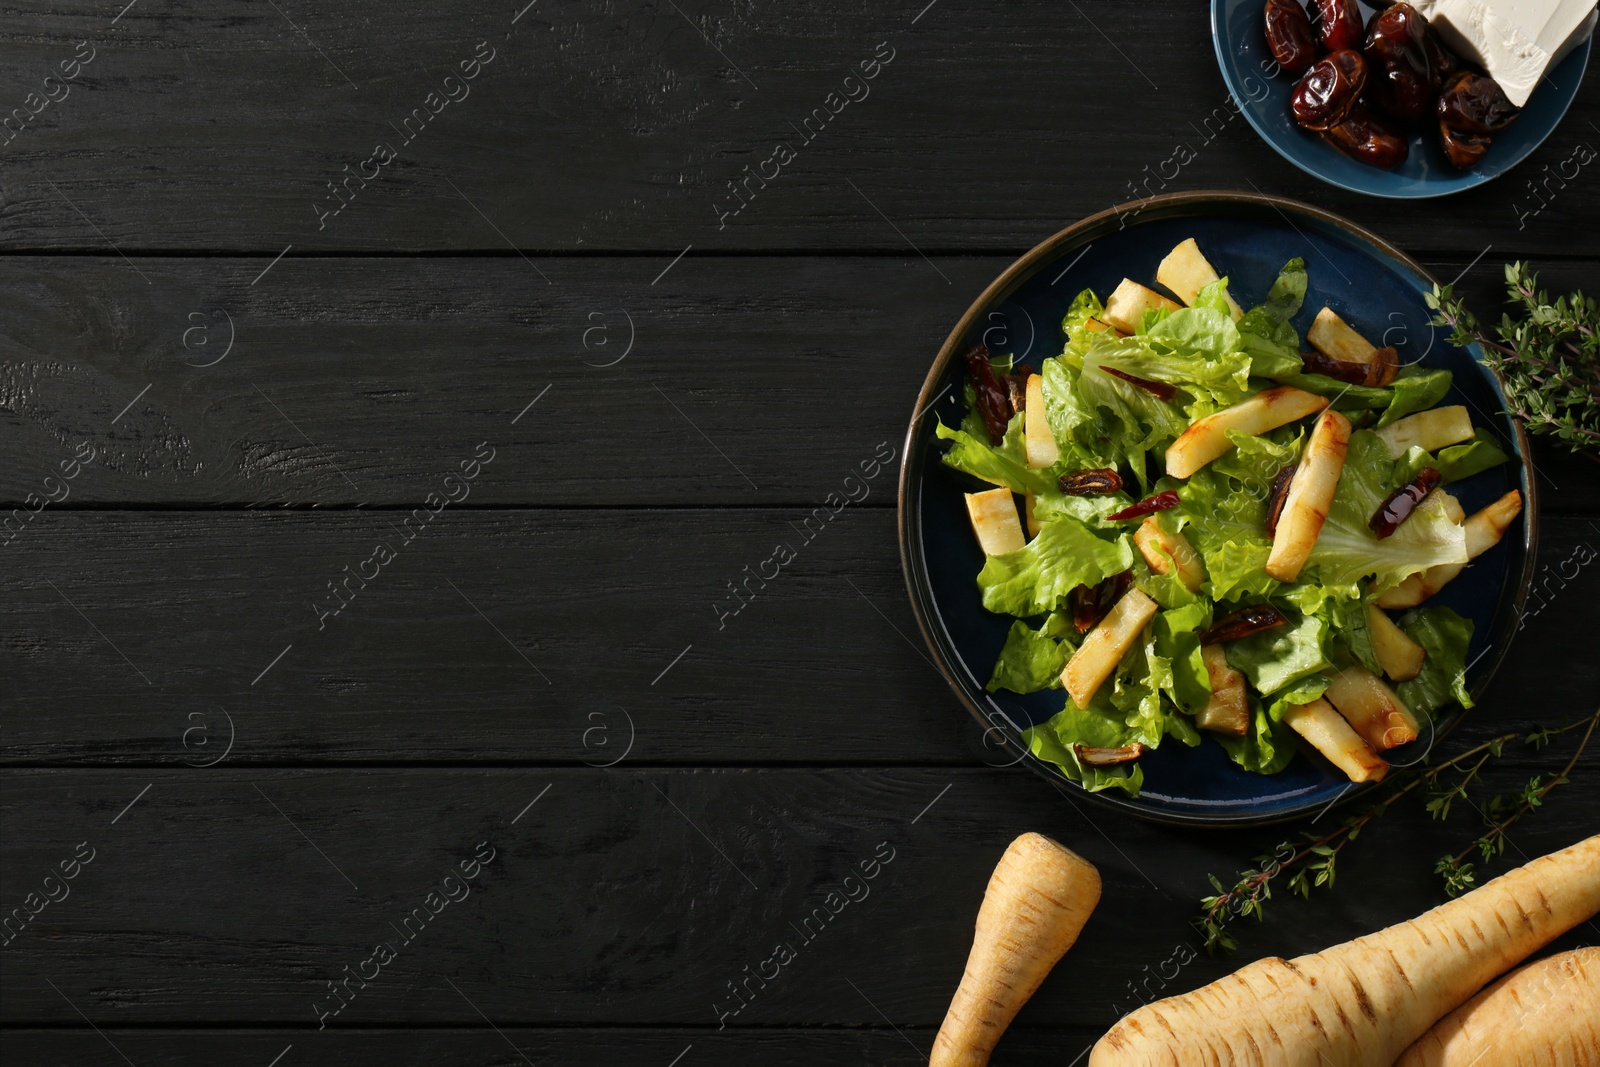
{"points": [[1223, 511], [1195, 348], [1268, 746], [1414, 390], [1347, 618], [1345, 397], [1037, 577], [1347, 550], [1085, 306], [1053, 740], [1444, 635], [1455, 462], [1175, 639], [1273, 659], [1029, 661], [1049, 507], [1265, 332], [1006, 465]]}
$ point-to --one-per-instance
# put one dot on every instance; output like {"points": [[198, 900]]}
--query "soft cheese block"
{"points": [[1515, 41]]}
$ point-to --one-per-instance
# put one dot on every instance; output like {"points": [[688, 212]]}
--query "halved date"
{"points": [[1148, 506], [1379, 371], [1106, 757], [994, 402], [1090, 604], [1290, 38], [1366, 138], [1338, 24], [1327, 93], [1400, 504], [1277, 497], [1159, 389], [1092, 481], [1243, 623]]}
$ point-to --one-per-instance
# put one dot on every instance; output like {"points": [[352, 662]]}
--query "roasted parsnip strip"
{"points": [[1310, 495]]}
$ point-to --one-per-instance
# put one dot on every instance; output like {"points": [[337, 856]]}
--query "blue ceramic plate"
{"points": [[1374, 287], [1236, 31]]}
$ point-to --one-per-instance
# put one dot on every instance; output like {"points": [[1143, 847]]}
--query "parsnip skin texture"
{"points": [[1546, 1014], [1037, 901], [1365, 1001]]}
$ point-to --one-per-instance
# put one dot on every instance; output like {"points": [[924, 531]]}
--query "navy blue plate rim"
{"points": [[1423, 192], [914, 458]]}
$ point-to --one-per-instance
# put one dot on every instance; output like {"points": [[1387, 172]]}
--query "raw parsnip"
{"points": [[1365, 1001], [1546, 1014], [1038, 899]]}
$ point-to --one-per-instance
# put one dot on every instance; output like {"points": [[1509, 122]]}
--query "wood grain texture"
{"points": [[157, 616], [217, 126], [482, 1047], [630, 896], [750, 380]]}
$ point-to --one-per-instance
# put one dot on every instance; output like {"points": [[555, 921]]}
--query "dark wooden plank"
{"points": [[623, 896], [218, 126], [750, 379], [482, 1047], [126, 629]]}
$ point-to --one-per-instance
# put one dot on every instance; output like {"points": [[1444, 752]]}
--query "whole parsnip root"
{"points": [[1038, 899], [1546, 1014], [1365, 1001]]}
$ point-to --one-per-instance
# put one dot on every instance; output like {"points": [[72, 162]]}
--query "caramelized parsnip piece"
{"points": [[994, 520], [1128, 303], [1267, 410], [1162, 551], [1105, 646], [1310, 495], [1330, 735], [1371, 708]]}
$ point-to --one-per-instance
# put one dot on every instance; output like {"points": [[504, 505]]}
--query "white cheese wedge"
{"points": [[1515, 41]]}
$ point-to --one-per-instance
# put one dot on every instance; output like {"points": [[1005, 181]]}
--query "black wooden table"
{"points": [[427, 373]]}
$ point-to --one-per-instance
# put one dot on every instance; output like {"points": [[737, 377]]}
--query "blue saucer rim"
{"points": [[1426, 192], [914, 567]]}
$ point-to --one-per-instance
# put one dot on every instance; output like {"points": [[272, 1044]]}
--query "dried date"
{"points": [[1463, 150], [1244, 622], [1338, 24], [1403, 83], [1471, 103], [1106, 757], [1148, 506], [1092, 481], [1277, 497], [994, 402], [1327, 93], [1290, 38], [1366, 138], [1379, 371], [1402, 503]]}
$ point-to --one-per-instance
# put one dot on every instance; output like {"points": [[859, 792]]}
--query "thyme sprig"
{"points": [[1548, 356], [1310, 859]]}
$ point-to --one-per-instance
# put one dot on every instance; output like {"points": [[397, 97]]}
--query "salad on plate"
{"points": [[1200, 529]]}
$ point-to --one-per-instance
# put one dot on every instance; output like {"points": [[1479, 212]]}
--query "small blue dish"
{"points": [[1241, 44], [1374, 287]]}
